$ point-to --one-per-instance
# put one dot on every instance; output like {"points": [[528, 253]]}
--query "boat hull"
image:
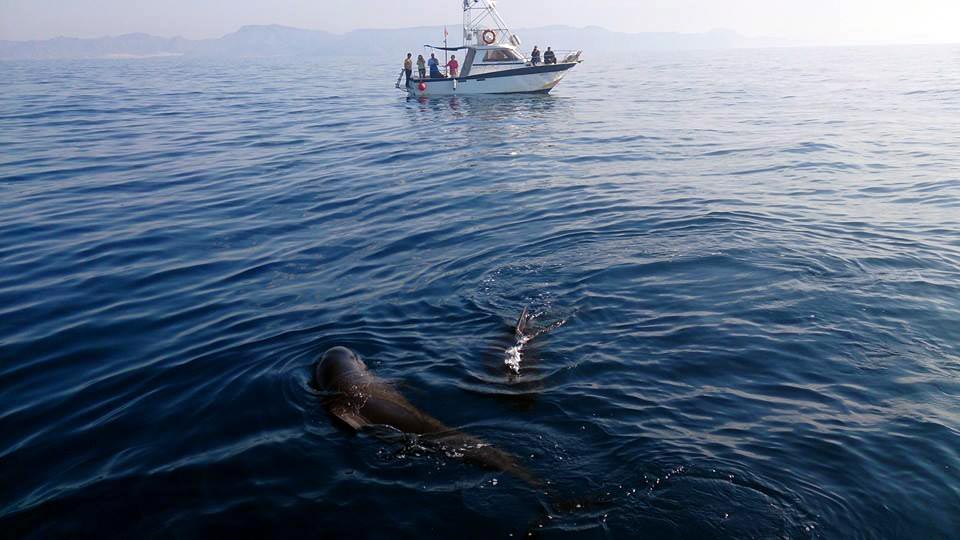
{"points": [[526, 80]]}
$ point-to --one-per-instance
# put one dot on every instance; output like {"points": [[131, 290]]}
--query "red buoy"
{"points": [[422, 87]]}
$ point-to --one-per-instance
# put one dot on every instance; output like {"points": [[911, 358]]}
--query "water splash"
{"points": [[513, 356]]}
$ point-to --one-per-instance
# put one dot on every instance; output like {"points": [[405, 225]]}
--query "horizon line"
{"points": [[794, 41]]}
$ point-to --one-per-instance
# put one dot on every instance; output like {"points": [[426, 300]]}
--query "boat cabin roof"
{"points": [[490, 54]]}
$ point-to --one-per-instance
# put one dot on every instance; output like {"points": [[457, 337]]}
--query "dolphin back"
{"points": [[361, 400], [480, 453]]}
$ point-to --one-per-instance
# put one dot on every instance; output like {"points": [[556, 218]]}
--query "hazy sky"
{"points": [[825, 21]]}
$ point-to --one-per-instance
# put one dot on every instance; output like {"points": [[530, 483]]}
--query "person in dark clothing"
{"points": [[535, 56], [549, 57], [408, 67], [434, 67]]}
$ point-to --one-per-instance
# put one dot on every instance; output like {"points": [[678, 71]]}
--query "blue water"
{"points": [[757, 254]]}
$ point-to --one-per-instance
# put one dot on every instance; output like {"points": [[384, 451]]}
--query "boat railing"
{"points": [[568, 56], [415, 77], [565, 56]]}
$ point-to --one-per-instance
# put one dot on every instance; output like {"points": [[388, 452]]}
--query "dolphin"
{"points": [[360, 400]]}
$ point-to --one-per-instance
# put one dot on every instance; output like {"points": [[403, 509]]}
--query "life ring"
{"points": [[489, 37]]}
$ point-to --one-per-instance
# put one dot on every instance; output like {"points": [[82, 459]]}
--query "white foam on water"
{"points": [[513, 356]]}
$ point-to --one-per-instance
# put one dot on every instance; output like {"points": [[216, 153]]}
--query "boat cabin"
{"points": [[488, 58]]}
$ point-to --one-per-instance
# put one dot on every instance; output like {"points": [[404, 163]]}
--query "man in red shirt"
{"points": [[453, 66]]}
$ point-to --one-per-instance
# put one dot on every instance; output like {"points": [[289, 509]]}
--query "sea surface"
{"points": [[756, 254]]}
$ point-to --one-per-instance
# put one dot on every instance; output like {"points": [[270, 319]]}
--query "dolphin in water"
{"points": [[360, 400]]}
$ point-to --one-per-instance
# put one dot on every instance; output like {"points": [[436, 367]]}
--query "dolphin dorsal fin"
{"points": [[523, 321]]}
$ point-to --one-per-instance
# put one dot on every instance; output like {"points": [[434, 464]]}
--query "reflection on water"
{"points": [[493, 108]]}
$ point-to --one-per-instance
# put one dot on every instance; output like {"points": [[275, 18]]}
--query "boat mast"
{"points": [[480, 16]]}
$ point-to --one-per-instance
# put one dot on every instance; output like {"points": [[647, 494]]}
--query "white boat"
{"points": [[492, 62]]}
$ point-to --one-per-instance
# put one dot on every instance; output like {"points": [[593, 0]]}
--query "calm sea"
{"points": [[757, 254]]}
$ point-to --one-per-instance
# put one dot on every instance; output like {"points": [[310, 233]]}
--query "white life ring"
{"points": [[489, 37]]}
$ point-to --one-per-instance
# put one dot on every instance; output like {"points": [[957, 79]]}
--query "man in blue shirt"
{"points": [[434, 67]]}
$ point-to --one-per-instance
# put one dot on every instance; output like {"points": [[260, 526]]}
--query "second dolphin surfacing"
{"points": [[359, 399]]}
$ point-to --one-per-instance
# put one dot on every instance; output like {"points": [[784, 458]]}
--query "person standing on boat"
{"points": [[408, 67], [535, 56], [422, 67], [453, 66], [549, 57], [434, 67]]}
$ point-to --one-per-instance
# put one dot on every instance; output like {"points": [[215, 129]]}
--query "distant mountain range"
{"points": [[271, 41]]}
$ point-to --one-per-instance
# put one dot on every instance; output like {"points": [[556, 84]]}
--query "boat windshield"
{"points": [[501, 55]]}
